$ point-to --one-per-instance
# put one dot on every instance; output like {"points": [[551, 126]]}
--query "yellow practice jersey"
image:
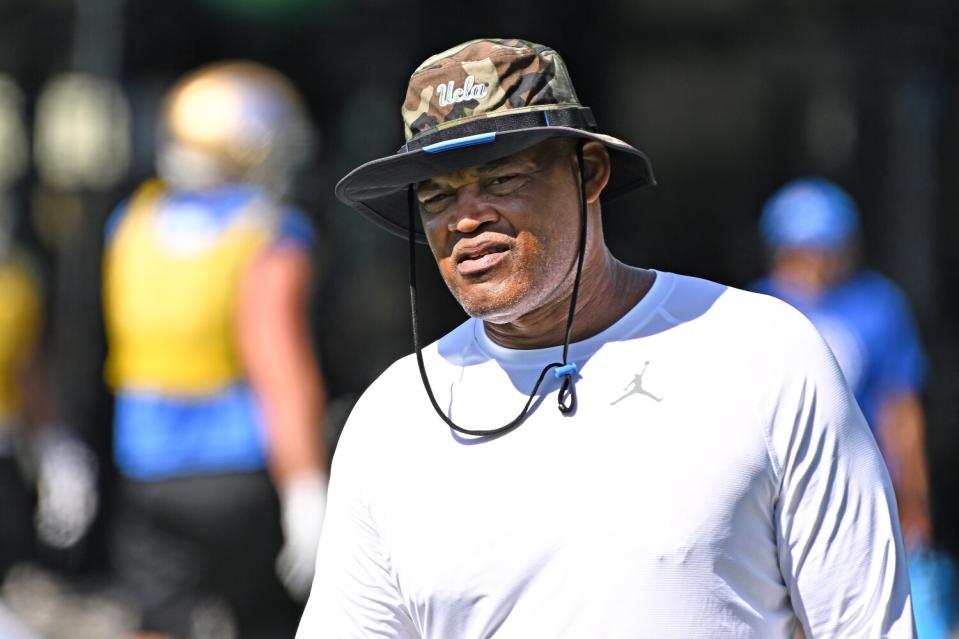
{"points": [[19, 323], [171, 290]]}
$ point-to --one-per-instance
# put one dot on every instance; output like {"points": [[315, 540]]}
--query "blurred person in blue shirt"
{"points": [[811, 227], [219, 399]]}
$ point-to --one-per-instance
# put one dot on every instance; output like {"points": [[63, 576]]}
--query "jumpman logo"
{"points": [[635, 387]]}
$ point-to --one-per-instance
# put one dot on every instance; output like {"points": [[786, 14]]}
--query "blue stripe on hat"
{"points": [[456, 143]]}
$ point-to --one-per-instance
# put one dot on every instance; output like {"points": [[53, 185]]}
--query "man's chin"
{"points": [[496, 300], [495, 311]]}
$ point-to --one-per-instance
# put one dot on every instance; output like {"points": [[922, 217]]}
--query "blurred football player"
{"points": [[20, 315], [811, 227], [219, 398]]}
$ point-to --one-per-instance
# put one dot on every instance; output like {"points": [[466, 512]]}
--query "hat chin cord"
{"points": [[565, 369]]}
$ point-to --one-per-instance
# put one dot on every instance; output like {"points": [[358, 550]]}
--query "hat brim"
{"points": [[377, 189]]}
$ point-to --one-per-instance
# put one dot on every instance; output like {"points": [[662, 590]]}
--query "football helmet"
{"points": [[233, 121]]}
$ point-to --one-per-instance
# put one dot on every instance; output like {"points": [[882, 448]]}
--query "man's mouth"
{"points": [[476, 259]]}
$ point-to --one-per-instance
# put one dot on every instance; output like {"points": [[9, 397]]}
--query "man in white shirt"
{"points": [[707, 474]]}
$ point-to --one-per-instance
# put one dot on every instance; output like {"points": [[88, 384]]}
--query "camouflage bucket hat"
{"points": [[474, 103]]}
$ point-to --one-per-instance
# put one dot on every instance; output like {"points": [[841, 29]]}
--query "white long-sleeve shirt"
{"points": [[716, 480]]}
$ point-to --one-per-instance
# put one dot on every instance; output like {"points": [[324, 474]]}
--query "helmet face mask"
{"points": [[233, 122]]}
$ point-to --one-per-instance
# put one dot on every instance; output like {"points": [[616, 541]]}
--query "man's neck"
{"points": [[607, 292]]}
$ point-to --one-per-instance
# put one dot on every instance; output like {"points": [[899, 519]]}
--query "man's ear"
{"points": [[596, 159]]}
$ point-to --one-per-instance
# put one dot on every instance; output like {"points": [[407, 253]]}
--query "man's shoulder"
{"points": [[397, 380], [728, 324], [733, 310], [369, 434], [393, 418], [400, 382]]}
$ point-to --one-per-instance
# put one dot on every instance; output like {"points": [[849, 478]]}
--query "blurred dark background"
{"points": [[729, 98]]}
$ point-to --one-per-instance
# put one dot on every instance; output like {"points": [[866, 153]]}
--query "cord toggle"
{"points": [[566, 370]]}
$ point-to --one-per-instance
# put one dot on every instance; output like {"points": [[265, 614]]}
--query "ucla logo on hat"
{"points": [[469, 91]]}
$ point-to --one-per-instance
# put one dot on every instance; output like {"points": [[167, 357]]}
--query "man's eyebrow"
{"points": [[428, 185], [497, 163]]}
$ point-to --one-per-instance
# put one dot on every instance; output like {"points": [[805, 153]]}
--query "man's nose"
{"points": [[473, 210]]}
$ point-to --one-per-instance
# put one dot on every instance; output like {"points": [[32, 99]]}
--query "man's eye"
{"points": [[435, 202], [505, 184], [436, 198]]}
